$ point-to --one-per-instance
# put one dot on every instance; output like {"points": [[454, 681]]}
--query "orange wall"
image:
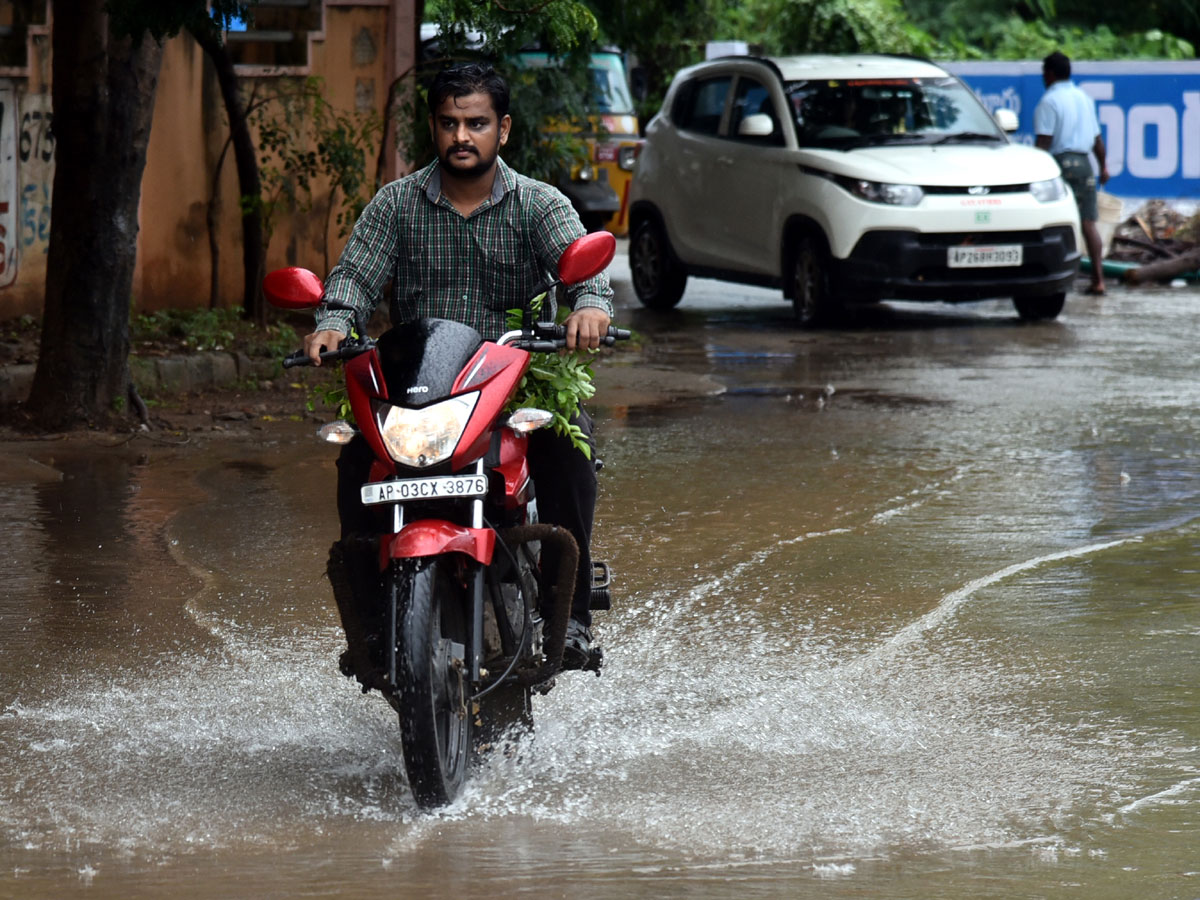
{"points": [[356, 55], [186, 141]]}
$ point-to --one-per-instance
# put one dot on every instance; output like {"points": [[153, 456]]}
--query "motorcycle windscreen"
{"points": [[421, 359]]}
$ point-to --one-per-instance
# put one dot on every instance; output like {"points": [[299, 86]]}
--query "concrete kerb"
{"points": [[160, 375], [15, 382]]}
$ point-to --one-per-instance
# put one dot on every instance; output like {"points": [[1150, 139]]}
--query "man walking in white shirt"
{"points": [[1066, 126]]}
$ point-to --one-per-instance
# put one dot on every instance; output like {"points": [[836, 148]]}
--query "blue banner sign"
{"points": [[1149, 114]]}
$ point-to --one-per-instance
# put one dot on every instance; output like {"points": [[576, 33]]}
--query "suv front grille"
{"points": [[991, 189]]}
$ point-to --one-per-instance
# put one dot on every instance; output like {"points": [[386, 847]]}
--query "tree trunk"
{"points": [[249, 183], [1165, 269], [103, 95]]}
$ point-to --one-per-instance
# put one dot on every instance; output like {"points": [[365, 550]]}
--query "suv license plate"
{"points": [[984, 257], [443, 487]]}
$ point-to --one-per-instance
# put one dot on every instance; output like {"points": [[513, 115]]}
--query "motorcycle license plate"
{"points": [[442, 487], [984, 257]]}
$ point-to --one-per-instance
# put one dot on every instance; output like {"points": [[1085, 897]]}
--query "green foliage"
{"points": [[555, 382], [666, 35], [307, 143], [330, 393], [557, 96], [837, 26], [25, 326], [1180, 18], [211, 329], [558, 383], [1035, 40], [990, 29]]}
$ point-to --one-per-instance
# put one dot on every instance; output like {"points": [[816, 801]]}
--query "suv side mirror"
{"points": [[756, 126], [1006, 119]]}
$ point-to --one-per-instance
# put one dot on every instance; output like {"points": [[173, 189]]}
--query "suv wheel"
{"points": [[657, 279], [1033, 309], [809, 284]]}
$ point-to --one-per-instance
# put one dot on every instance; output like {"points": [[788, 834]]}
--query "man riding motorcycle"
{"points": [[467, 238]]}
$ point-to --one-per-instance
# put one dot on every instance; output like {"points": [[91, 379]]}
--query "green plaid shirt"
{"points": [[445, 265]]}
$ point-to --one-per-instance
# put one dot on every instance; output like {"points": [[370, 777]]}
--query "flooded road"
{"points": [[909, 610]]}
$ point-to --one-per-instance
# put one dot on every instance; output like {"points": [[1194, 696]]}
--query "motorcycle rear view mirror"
{"points": [[293, 288], [586, 257]]}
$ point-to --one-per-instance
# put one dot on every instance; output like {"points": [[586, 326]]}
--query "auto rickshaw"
{"points": [[598, 187]]}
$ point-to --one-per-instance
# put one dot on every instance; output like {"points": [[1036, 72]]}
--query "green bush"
{"points": [[212, 329]]}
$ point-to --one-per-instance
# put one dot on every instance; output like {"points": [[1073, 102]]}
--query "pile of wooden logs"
{"points": [[1162, 242]]}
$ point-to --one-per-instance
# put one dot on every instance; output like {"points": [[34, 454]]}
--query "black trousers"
{"points": [[564, 483]]}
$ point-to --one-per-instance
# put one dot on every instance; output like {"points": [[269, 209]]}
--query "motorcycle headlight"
{"points": [[427, 436], [1048, 191]]}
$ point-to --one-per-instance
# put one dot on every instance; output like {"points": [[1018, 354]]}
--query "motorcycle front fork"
{"points": [[475, 661]]}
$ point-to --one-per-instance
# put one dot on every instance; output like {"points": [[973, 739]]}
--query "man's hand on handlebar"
{"points": [[321, 340], [586, 327]]}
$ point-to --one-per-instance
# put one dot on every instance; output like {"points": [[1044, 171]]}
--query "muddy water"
{"points": [[910, 611]]}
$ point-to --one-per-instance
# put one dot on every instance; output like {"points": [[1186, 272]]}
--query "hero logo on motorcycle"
{"points": [[446, 488]]}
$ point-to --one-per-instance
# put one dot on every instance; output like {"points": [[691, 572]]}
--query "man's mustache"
{"points": [[463, 148]]}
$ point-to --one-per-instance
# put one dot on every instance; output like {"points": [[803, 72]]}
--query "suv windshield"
{"points": [[872, 111]]}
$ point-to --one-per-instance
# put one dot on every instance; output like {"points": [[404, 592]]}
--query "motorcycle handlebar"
{"points": [[347, 350], [552, 338], [548, 339], [301, 358]]}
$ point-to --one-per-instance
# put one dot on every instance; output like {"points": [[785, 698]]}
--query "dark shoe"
{"points": [[363, 670], [577, 649]]}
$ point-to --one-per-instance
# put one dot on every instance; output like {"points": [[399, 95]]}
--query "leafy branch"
{"points": [[305, 142], [555, 382]]}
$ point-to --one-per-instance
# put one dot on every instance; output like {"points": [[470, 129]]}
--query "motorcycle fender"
{"points": [[433, 537]]}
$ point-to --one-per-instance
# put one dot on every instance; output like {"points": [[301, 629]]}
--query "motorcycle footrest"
{"points": [[601, 581], [595, 660]]}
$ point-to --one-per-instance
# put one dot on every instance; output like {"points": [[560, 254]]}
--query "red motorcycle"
{"points": [[444, 601]]}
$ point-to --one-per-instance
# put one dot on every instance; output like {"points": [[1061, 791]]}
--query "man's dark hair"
{"points": [[1058, 65], [469, 78]]}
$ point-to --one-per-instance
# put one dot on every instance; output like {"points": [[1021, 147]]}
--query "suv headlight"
{"points": [[427, 436], [878, 192], [1048, 191]]}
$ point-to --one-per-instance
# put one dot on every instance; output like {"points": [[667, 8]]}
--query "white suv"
{"points": [[846, 179]]}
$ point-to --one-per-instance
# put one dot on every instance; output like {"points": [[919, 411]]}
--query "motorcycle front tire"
{"points": [[433, 692]]}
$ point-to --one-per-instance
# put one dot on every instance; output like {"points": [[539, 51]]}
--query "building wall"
{"points": [[360, 47], [26, 177]]}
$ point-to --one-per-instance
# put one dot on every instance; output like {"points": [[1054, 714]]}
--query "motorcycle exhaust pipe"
{"points": [[562, 592]]}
